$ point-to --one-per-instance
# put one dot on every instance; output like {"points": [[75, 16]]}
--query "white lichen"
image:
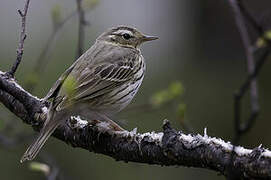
{"points": [[266, 153], [44, 110], [80, 123], [187, 138], [205, 132], [153, 136], [241, 151]]}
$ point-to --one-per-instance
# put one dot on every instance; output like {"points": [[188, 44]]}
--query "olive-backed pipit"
{"points": [[98, 84]]}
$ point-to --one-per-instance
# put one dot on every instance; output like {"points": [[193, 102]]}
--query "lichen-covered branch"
{"points": [[169, 147]]}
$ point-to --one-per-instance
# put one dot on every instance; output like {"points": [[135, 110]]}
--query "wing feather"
{"points": [[103, 82], [99, 75]]}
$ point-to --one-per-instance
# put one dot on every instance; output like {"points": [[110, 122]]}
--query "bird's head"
{"points": [[125, 36]]}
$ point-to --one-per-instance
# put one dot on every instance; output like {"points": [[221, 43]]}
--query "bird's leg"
{"points": [[103, 117]]}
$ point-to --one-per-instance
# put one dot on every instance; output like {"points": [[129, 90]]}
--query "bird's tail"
{"points": [[49, 127]]}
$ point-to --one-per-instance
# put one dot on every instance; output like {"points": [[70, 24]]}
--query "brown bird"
{"points": [[98, 84]]}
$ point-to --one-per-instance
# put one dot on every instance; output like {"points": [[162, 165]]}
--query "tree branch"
{"points": [[239, 129], [40, 62], [20, 49], [81, 31], [169, 147], [240, 13]]}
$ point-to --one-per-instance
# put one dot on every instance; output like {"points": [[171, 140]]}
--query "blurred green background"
{"points": [[198, 45]]}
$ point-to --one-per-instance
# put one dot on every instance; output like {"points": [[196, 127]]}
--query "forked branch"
{"points": [[20, 49]]}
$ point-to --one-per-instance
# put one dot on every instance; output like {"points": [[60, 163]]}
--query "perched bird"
{"points": [[98, 84]]}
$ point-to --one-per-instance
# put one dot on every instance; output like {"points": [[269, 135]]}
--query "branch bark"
{"points": [[169, 148]]}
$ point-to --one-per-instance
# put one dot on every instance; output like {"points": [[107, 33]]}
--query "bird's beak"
{"points": [[148, 38]]}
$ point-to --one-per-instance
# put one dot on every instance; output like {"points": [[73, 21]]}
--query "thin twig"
{"points": [[250, 19], [251, 83], [253, 70], [81, 31], [50, 40], [20, 49], [239, 129], [258, 27], [40, 62]]}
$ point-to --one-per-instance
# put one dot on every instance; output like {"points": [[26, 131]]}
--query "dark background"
{"points": [[198, 45]]}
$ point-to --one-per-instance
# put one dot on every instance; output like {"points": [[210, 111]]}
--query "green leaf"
{"points": [[268, 34], [174, 90], [90, 3], [159, 98], [56, 14], [40, 167], [260, 43]]}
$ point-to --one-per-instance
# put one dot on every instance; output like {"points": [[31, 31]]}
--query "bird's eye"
{"points": [[126, 36]]}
